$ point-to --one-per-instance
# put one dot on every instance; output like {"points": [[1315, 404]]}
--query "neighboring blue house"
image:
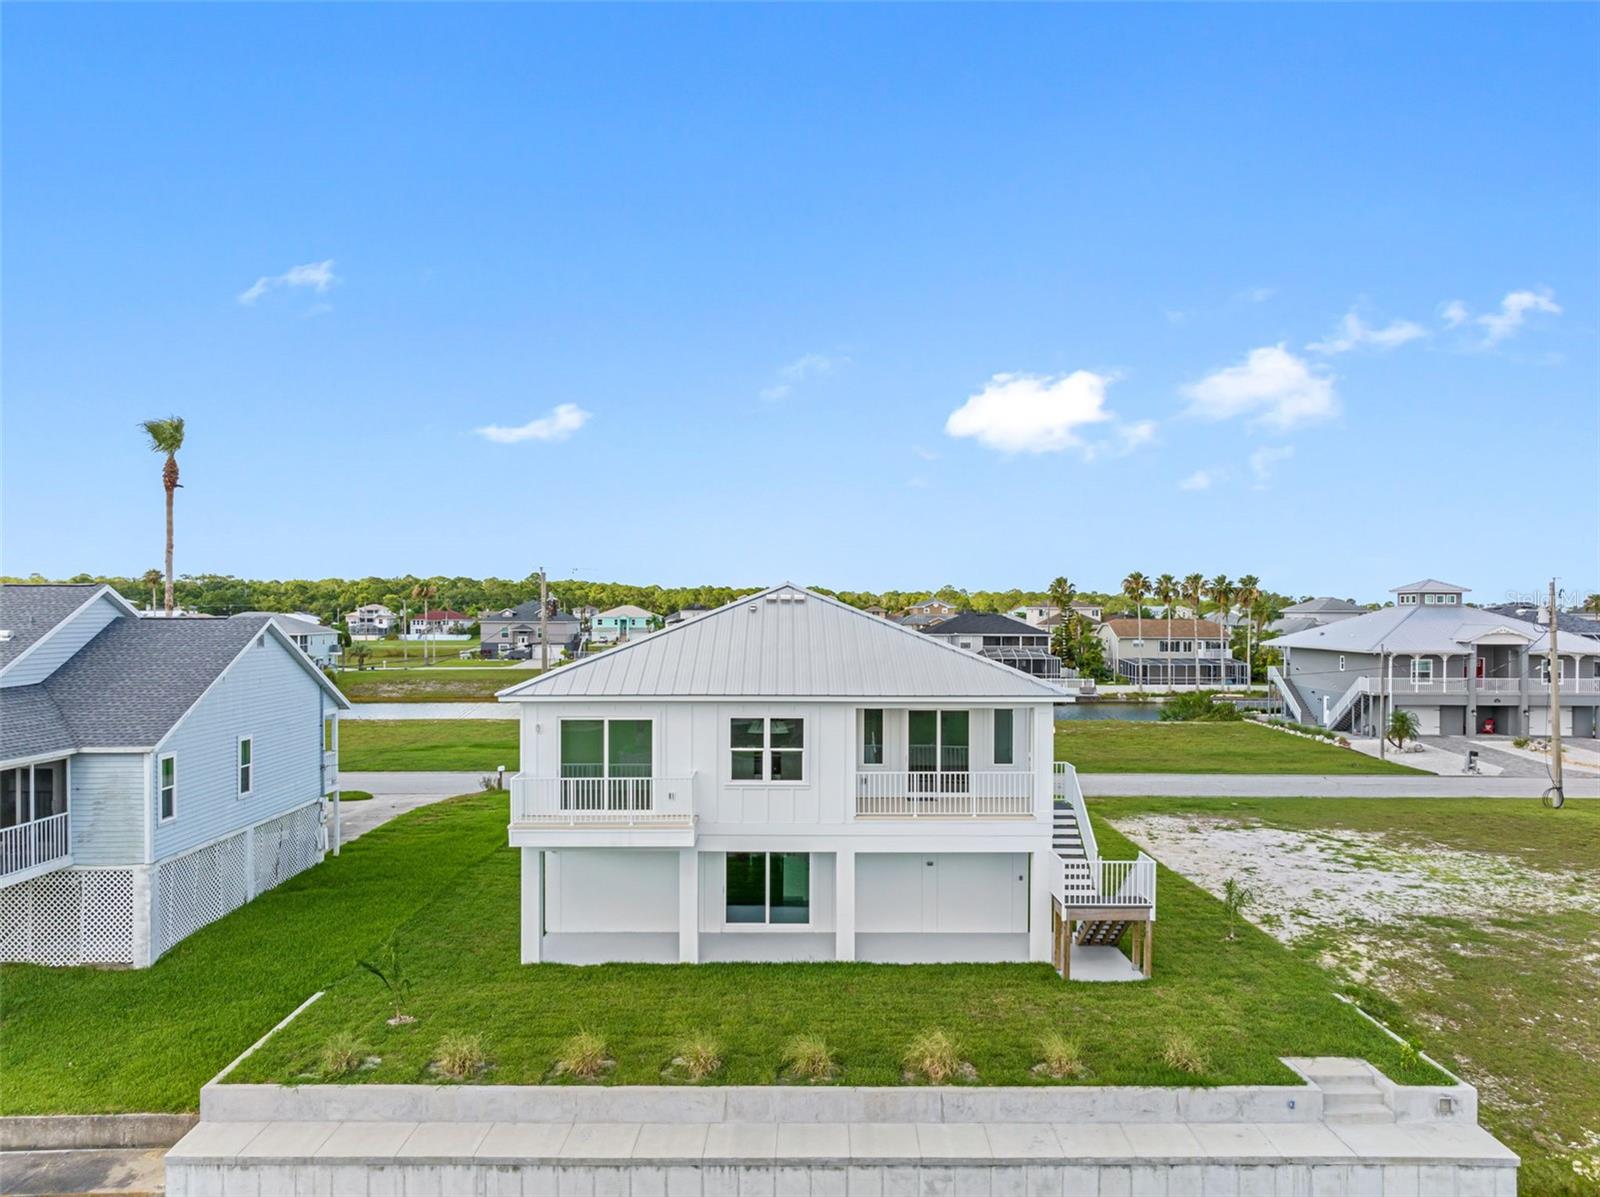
{"points": [[619, 623], [154, 773]]}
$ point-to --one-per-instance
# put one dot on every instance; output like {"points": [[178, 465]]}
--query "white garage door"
{"points": [[948, 892], [1539, 721], [1427, 720], [592, 889]]}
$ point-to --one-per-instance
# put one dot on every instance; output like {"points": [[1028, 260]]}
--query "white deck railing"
{"points": [[576, 801], [29, 845], [1093, 881], [917, 794], [1499, 685], [1068, 790]]}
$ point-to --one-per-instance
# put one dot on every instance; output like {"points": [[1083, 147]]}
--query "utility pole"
{"points": [[544, 622], [1383, 727], [1555, 704]]}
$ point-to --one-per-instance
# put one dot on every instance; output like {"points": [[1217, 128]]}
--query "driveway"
{"points": [[394, 794]]}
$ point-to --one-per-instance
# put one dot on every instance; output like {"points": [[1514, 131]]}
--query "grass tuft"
{"points": [[459, 1057], [1063, 1057], [583, 1056], [699, 1055], [1181, 1052], [341, 1054], [934, 1056], [810, 1058]]}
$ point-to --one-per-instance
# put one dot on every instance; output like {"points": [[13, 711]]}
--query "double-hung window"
{"points": [[169, 787], [246, 765], [770, 888], [1422, 670], [767, 748], [1004, 731]]}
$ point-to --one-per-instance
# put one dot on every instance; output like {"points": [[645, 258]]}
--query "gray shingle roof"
{"points": [[28, 612], [1324, 605], [786, 642], [31, 724], [982, 623]]}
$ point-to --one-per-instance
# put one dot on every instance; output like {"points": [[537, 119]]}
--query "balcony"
{"points": [[31, 849], [602, 811], [913, 794]]}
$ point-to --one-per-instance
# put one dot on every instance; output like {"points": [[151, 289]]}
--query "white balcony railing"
{"points": [[1580, 685], [29, 845], [579, 801], [920, 794], [1498, 685], [1417, 685]]}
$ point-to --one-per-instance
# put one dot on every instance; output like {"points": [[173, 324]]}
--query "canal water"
{"points": [[1137, 712]]}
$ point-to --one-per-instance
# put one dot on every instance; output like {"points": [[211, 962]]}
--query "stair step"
{"points": [[1365, 1116], [1340, 1086], [1349, 1100]]}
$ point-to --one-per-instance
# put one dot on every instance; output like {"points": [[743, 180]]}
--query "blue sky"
{"points": [[865, 297]]}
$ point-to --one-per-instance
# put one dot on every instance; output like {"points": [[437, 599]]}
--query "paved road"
{"points": [[394, 794], [419, 788], [125, 1170], [1288, 785]]}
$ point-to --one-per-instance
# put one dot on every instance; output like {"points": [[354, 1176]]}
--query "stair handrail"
{"points": [[1346, 701], [1067, 787], [1288, 692]]}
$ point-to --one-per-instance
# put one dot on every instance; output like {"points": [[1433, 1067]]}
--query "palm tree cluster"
{"points": [[1226, 596]]}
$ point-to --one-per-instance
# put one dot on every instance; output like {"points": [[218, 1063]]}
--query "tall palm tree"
{"points": [[1136, 587], [1166, 592], [1222, 592], [166, 436], [1192, 590], [1249, 592], [152, 579], [1060, 593], [424, 593]]}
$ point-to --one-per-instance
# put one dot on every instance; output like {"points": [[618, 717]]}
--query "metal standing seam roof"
{"points": [[1429, 584], [29, 611], [1323, 605], [1422, 629], [786, 642]]}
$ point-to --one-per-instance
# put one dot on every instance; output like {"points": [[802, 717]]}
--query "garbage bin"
{"points": [[1472, 760]]}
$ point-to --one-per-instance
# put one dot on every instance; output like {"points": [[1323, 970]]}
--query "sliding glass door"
{"points": [[937, 744], [606, 764]]}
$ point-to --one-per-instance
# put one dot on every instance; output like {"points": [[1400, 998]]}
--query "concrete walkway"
{"points": [[393, 794], [125, 1170], [420, 788]]}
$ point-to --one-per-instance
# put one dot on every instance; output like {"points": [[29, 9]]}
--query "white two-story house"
{"points": [[789, 778], [154, 773]]}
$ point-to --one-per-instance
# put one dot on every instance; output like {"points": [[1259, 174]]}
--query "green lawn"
{"points": [[1124, 746], [1505, 994], [441, 745], [431, 684], [411, 650]]}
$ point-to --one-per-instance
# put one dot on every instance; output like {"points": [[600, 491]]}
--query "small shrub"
{"points": [[1410, 1059], [1519, 742], [699, 1056], [1063, 1057], [809, 1057], [1199, 706], [459, 1057], [1181, 1052], [583, 1056], [1235, 897], [934, 1056], [387, 968], [341, 1054]]}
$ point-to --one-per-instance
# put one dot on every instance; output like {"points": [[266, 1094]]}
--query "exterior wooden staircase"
{"points": [[1099, 900]]}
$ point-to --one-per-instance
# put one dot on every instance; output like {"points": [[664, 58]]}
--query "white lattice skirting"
{"points": [[94, 916]]}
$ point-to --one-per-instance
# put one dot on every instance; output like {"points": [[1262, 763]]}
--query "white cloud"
{"points": [[1454, 314], [1353, 331], [1264, 461], [319, 276], [1032, 413], [1513, 313], [1200, 480], [1124, 439], [564, 419], [812, 365], [1271, 386]]}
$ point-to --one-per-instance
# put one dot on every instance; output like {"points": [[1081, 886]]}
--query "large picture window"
{"points": [[767, 749], [606, 763], [769, 888]]}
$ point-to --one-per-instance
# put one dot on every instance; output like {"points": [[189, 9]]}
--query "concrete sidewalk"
{"points": [[420, 788]]}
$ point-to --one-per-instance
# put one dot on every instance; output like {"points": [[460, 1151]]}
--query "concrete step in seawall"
{"points": [[1082, 1141]]}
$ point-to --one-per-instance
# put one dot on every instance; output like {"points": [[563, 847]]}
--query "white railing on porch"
{"points": [[1068, 791], [39, 842], [919, 794], [610, 800], [1499, 685]]}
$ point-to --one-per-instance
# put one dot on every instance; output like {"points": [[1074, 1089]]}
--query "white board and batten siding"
{"points": [[106, 798], [268, 696]]}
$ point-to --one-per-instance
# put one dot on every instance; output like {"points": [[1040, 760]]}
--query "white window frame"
{"points": [[1417, 677], [241, 767], [161, 787], [766, 751], [605, 722], [861, 740], [767, 926], [994, 737]]}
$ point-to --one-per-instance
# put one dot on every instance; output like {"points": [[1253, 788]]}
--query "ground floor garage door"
{"points": [[1427, 720], [950, 893], [1539, 721]]}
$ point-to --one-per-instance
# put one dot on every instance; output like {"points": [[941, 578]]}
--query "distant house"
{"points": [[876, 610], [1177, 652], [440, 623], [932, 606], [1092, 611], [1314, 613], [692, 611], [1000, 638], [154, 773], [619, 623], [370, 621], [1048, 615], [514, 631], [1460, 669], [308, 633]]}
